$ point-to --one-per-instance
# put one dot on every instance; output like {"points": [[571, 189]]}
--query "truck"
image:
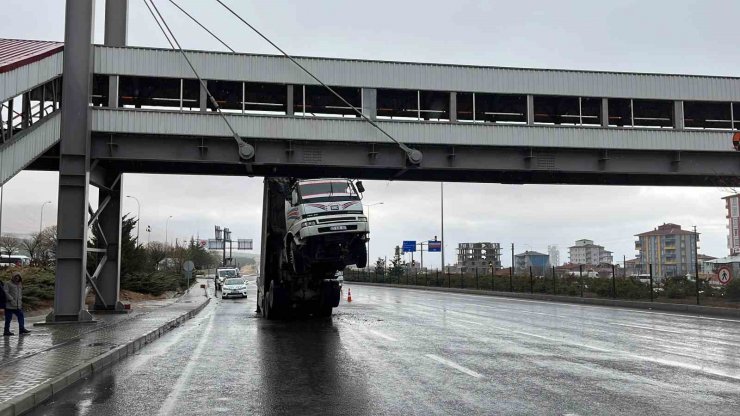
{"points": [[311, 229]]}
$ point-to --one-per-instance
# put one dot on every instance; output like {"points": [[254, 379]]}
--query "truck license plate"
{"points": [[338, 227]]}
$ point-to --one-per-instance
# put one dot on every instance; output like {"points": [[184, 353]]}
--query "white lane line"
{"points": [[381, 335], [454, 365], [648, 328], [569, 305], [169, 404]]}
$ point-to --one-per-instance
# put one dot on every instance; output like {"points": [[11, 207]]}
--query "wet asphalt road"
{"points": [[400, 351]]}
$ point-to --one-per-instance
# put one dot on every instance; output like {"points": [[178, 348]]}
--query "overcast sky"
{"points": [[694, 37]]}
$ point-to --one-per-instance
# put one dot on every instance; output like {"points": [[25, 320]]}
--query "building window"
{"points": [[733, 208]]}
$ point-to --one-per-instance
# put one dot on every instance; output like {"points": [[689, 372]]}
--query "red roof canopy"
{"points": [[15, 53]]}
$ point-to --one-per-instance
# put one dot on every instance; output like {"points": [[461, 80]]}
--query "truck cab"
{"points": [[326, 227]]}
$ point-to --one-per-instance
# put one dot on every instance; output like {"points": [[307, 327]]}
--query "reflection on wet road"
{"points": [[399, 351]]}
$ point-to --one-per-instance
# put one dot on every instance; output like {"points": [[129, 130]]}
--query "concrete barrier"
{"points": [[632, 304]]}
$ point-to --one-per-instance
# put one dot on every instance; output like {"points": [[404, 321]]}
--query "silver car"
{"points": [[234, 288]]}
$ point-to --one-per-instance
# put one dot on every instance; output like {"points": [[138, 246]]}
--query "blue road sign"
{"points": [[435, 246], [409, 246]]}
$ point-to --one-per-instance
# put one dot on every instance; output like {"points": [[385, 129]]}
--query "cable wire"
{"points": [[245, 149], [203, 27], [405, 148], [159, 24]]}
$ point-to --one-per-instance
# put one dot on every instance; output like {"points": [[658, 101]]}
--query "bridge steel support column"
{"points": [[203, 99], [289, 104], [678, 117], [453, 107], [370, 103], [116, 33], [530, 109], [74, 165], [604, 112], [109, 220]]}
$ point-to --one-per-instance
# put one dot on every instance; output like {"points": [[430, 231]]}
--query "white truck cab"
{"points": [[326, 225]]}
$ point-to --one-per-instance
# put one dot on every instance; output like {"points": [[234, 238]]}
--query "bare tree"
{"points": [[9, 245], [34, 247]]}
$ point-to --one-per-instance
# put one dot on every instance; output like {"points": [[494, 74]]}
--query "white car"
{"points": [[234, 288]]}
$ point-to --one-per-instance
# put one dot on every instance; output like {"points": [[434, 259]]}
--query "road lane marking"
{"points": [[169, 404], [381, 335], [648, 328], [454, 365], [624, 309]]}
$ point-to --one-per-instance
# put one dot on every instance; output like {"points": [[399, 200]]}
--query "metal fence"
{"points": [[668, 290]]}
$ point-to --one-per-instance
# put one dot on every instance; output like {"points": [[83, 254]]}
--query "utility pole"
{"points": [[624, 264], [696, 262], [512, 258]]}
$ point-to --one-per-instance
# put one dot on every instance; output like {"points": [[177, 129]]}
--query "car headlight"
{"points": [[362, 219], [308, 224]]}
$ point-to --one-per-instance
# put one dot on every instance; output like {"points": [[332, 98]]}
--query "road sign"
{"points": [[215, 244], [435, 246], [724, 275], [409, 246], [188, 266], [244, 244]]}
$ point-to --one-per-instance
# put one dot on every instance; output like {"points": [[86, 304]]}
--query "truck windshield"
{"points": [[226, 273], [325, 191]]}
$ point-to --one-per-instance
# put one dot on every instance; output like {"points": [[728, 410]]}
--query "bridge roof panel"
{"points": [[15, 53], [422, 76]]}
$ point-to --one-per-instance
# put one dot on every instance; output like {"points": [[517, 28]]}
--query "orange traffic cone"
{"points": [[349, 295]]}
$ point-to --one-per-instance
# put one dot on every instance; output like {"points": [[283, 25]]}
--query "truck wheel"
{"points": [[360, 255], [296, 259], [323, 311]]}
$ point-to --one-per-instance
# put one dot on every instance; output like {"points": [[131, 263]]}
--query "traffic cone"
{"points": [[349, 295]]}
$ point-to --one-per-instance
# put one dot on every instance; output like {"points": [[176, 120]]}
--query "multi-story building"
{"points": [[480, 256], [586, 252], [538, 261], [732, 203], [554, 253], [669, 249]]}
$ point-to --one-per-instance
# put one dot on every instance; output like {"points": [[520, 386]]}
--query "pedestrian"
{"points": [[14, 304]]}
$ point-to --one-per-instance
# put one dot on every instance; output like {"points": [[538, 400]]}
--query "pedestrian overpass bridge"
{"points": [[94, 112], [483, 124]]}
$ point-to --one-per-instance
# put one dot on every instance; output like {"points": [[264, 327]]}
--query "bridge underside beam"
{"points": [[216, 156]]}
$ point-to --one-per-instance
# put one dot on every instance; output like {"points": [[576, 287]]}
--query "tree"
{"points": [[48, 240], [380, 266], [9, 245], [155, 253], [34, 247]]}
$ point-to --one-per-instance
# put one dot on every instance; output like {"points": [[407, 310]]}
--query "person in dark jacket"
{"points": [[14, 304]]}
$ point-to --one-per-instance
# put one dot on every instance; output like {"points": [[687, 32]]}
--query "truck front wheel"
{"points": [[360, 252], [296, 259]]}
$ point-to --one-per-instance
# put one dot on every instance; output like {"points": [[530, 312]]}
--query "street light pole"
{"points": [[442, 205], [138, 216], [166, 230], [367, 265], [41, 219]]}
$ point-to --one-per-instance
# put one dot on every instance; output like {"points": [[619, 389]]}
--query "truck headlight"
{"points": [[308, 224], [362, 219]]}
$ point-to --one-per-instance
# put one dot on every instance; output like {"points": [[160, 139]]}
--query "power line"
{"points": [[246, 150], [203, 27], [414, 155]]}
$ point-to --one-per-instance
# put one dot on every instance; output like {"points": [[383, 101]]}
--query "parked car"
{"points": [[234, 287]]}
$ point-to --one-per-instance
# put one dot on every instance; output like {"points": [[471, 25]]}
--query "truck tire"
{"points": [[360, 255], [323, 311], [296, 259]]}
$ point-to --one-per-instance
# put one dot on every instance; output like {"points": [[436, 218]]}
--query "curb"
{"points": [[631, 304], [37, 395]]}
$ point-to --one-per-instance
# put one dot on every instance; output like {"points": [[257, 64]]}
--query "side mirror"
{"points": [[360, 187], [293, 199]]}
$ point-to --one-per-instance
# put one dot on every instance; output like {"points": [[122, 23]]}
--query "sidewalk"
{"points": [[35, 366]]}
